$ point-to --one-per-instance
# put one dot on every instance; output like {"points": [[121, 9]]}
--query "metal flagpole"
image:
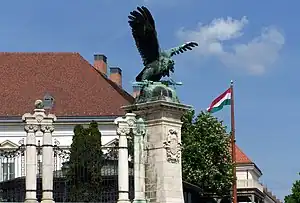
{"points": [[234, 187]]}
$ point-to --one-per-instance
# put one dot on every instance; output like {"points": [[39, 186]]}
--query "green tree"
{"points": [[206, 158], [86, 160], [295, 196]]}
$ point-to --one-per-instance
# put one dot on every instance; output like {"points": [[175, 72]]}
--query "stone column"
{"points": [[123, 130], [47, 164], [31, 168], [34, 122], [163, 167], [139, 162]]}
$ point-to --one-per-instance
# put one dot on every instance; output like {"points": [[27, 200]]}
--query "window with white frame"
{"points": [[8, 171]]}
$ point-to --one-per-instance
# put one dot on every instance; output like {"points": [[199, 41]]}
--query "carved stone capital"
{"points": [[47, 128], [29, 128], [123, 130], [173, 147]]}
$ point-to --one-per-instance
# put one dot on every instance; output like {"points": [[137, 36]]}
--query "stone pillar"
{"points": [[31, 168], [139, 162], [35, 122], [47, 164], [123, 130], [163, 167]]}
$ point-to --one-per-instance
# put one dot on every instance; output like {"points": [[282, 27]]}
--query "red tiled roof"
{"points": [[78, 88], [241, 157]]}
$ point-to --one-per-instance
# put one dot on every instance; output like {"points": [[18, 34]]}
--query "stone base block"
{"points": [[139, 201], [123, 201], [47, 201], [31, 201]]}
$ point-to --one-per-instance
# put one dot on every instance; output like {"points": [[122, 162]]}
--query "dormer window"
{"points": [[48, 101]]}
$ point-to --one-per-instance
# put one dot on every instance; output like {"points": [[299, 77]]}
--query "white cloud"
{"points": [[255, 56]]}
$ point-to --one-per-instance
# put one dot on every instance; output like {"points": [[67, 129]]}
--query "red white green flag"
{"points": [[221, 101]]}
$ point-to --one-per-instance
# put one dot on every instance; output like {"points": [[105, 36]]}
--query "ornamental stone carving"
{"points": [[39, 118], [123, 130], [173, 147], [141, 127], [47, 128], [131, 123], [29, 128]]}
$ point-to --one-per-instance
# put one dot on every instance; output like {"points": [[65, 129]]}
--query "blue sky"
{"points": [[255, 43]]}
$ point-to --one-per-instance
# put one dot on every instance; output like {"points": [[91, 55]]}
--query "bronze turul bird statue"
{"points": [[157, 63]]}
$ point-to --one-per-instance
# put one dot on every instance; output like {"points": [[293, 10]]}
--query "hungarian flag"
{"points": [[220, 101]]}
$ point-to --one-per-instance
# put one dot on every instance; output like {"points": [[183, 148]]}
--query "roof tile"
{"points": [[78, 89], [241, 157]]}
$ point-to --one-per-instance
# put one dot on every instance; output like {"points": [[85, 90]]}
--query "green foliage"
{"points": [[206, 158], [295, 196], [86, 160]]}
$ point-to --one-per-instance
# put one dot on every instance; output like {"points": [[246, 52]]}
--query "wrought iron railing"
{"points": [[13, 190]]}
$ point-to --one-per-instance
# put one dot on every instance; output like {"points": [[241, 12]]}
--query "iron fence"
{"points": [[108, 170], [12, 166], [12, 180], [12, 176]]}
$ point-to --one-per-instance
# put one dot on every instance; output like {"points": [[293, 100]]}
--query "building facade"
{"points": [[71, 88], [78, 93], [249, 187]]}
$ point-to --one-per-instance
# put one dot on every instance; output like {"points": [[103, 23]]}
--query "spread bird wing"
{"points": [[143, 31], [182, 48]]}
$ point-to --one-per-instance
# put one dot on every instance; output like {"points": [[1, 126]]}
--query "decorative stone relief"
{"points": [[131, 123], [47, 128], [39, 118], [31, 128], [141, 127], [172, 146], [123, 130]]}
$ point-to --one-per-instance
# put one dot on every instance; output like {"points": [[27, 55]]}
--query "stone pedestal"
{"points": [[163, 147]]}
